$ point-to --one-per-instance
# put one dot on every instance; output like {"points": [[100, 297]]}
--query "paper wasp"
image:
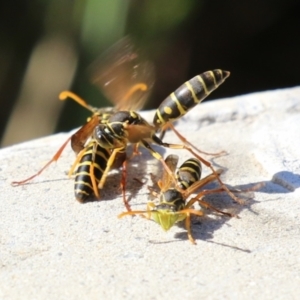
{"points": [[126, 80], [124, 127], [173, 205]]}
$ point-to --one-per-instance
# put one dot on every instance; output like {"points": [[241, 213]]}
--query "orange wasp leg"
{"points": [[78, 139], [109, 165], [188, 212], [185, 141], [166, 167], [54, 158], [206, 204], [123, 185], [92, 176], [205, 162]]}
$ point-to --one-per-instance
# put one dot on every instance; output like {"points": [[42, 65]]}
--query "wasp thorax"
{"points": [[130, 117], [170, 195], [119, 117], [103, 136], [167, 207], [117, 128]]}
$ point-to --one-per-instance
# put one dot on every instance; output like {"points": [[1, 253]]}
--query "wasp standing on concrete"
{"points": [[173, 205], [126, 127], [126, 80]]}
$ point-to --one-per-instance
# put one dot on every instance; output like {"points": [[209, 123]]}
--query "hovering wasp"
{"points": [[126, 80], [173, 205]]}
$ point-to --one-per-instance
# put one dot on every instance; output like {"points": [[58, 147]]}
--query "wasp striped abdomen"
{"points": [[96, 156], [188, 95], [188, 173]]}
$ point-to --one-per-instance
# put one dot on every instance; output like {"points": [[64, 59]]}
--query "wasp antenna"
{"points": [[68, 94], [136, 87]]}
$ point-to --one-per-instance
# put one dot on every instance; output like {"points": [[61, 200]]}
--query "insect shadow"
{"points": [[203, 227]]}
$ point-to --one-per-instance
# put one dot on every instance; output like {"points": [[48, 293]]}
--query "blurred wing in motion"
{"points": [[123, 76]]}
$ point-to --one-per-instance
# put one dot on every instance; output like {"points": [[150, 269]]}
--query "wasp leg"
{"points": [[123, 185], [109, 165], [202, 182], [189, 229], [150, 205], [75, 163], [188, 212], [153, 192], [54, 158], [205, 162], [92, 173], [132, 212], [159, 157], [206, 204], [188, 224], [136, 150], [185, 141]]}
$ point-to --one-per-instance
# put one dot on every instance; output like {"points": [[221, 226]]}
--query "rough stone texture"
{"points": [[56, 248]]}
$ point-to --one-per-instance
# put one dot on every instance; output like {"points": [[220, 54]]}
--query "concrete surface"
{"points": [[53, 247]]}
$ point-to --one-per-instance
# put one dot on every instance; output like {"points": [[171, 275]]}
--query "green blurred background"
{"points": [[47, 45]]}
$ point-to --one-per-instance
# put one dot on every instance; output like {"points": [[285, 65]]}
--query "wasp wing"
{"points": [[166, 181], [138, 132], [123, 76], [80, 137]]}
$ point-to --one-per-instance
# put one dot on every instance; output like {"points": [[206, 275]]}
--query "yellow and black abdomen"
{"points": [[188, 173], [188, 95], [96, 156]]}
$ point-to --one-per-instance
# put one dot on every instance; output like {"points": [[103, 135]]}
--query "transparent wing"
{"points": [[123, 76], [167, 181]]}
